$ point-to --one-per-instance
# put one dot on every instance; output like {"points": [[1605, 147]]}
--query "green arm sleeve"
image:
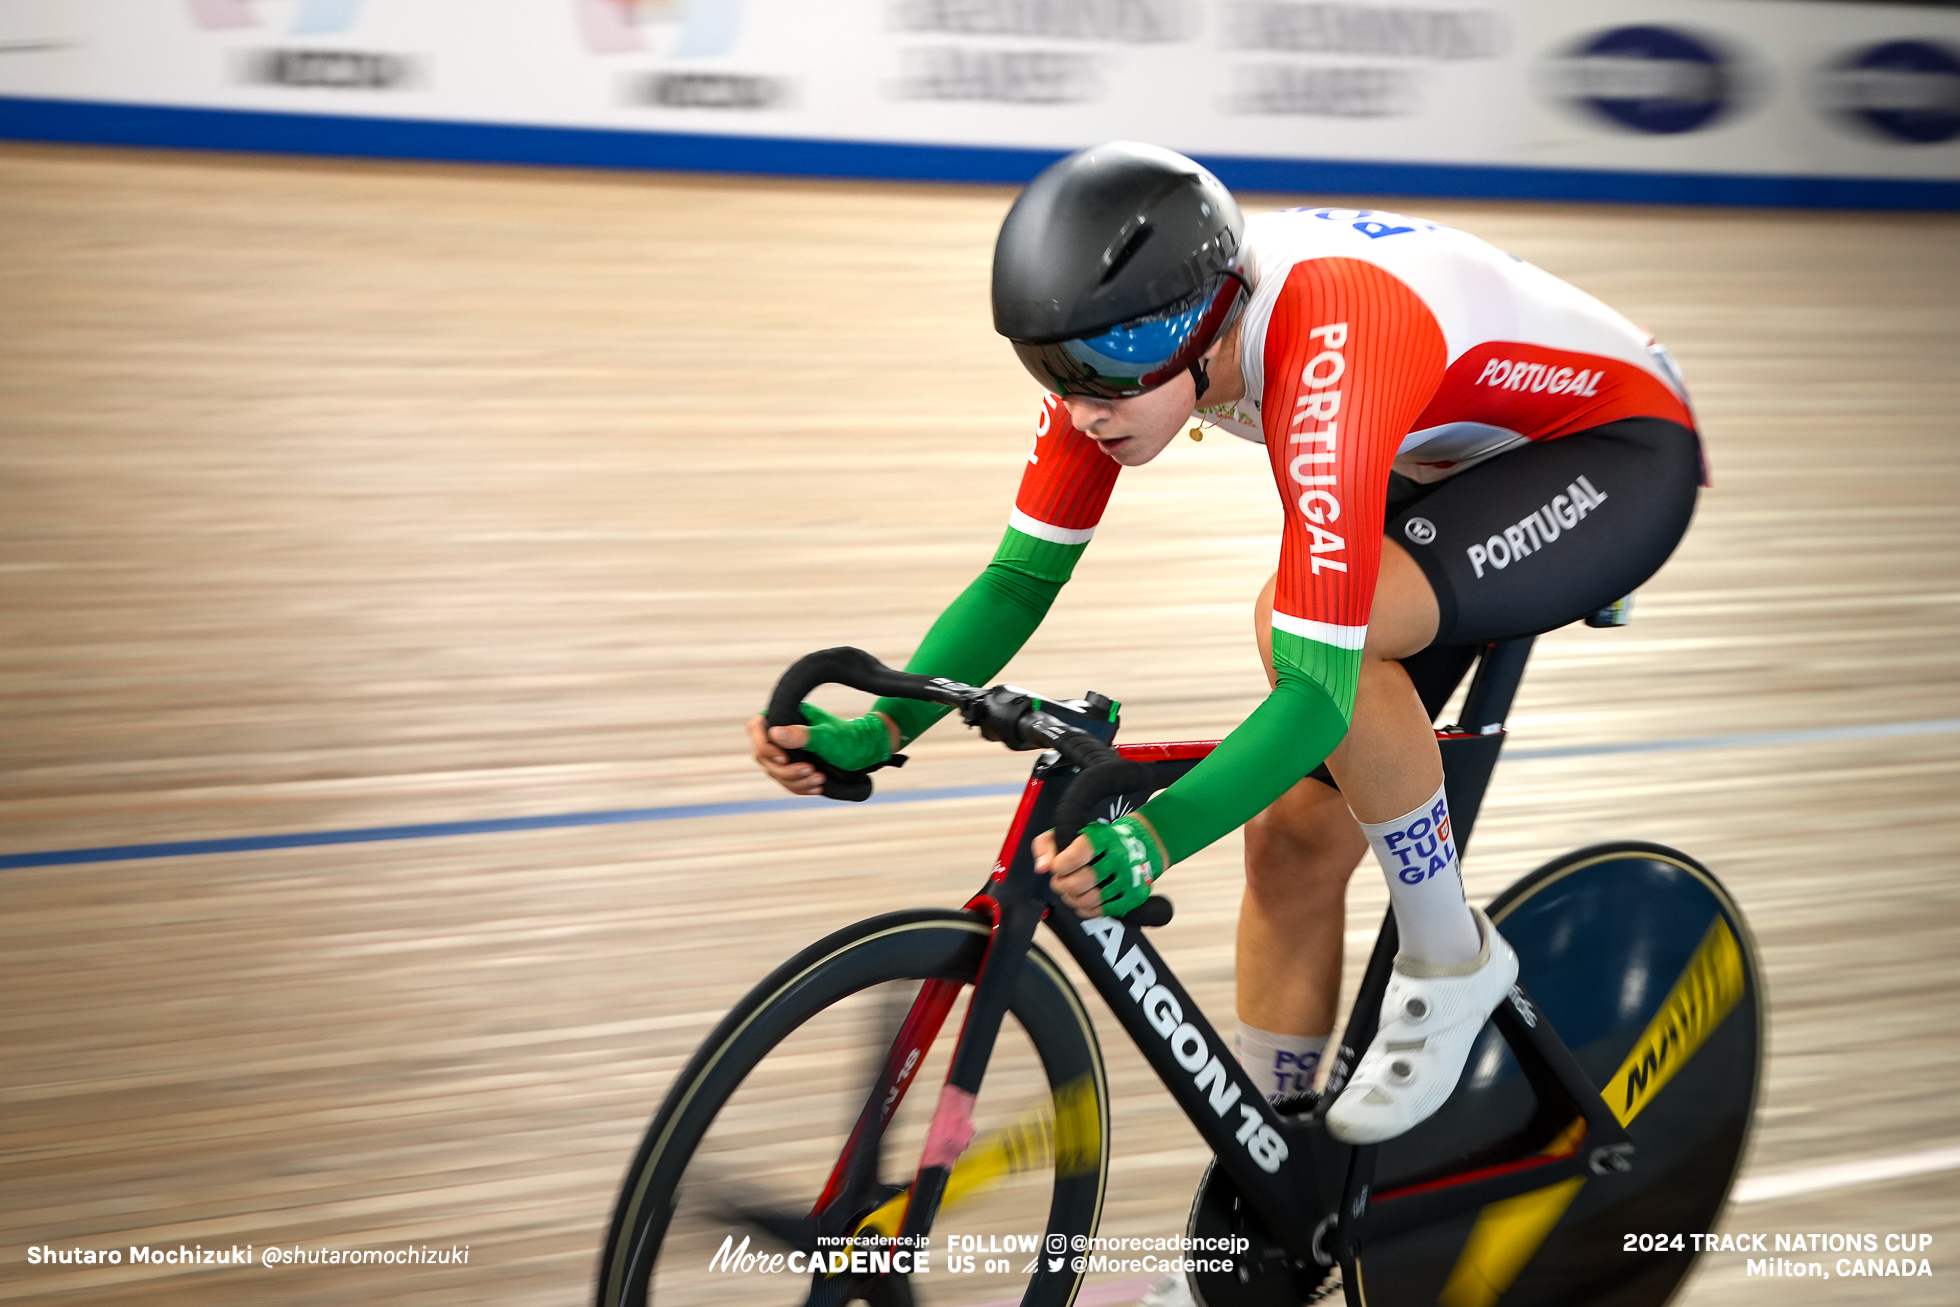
{"points": [[1286, 737], [987, 624]]}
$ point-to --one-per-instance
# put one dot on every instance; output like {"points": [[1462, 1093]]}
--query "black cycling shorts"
{"points": [[1544, 535], [1540, 537]]}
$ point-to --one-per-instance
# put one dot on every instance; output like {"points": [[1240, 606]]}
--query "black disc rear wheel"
{"points": [[719, 1201], [1649, 974]]}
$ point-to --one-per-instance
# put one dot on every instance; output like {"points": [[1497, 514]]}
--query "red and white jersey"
{"points": [[1527, 356], [1373, 341]]}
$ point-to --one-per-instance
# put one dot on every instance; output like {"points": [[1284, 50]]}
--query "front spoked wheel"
{"points": [[1647, 970], [751, 1185]]}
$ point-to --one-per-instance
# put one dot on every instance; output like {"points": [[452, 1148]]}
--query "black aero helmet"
{"points": [[1116, 269]]}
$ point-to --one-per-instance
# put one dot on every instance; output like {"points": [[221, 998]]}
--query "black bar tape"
{"points": [[841, 666]]}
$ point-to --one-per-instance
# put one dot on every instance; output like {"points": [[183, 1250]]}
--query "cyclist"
{"points": [[1466, 448]]}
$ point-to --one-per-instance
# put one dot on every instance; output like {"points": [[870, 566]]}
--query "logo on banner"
{"points": [[309, 17], [687, 29], [1657, 80], [307, 66], [678, 30], [1905, 90]]}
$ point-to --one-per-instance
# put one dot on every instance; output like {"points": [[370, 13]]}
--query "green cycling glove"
{"points": [[1130, 860], [856, 744]]}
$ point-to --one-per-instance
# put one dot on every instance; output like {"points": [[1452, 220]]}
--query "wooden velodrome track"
{"points": [[338, 496]]}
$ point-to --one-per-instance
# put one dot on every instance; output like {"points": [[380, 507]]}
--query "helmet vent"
{"points": [[1129, 251]]}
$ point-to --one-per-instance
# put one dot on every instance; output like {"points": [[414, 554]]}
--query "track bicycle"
{"points": [[1609, 1098]]}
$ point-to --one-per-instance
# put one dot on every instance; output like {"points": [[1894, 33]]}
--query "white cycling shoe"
{"points": [[1430, 1018]]}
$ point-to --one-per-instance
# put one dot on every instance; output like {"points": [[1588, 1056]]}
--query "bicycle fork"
{"points": [[1016, 911], [856, 1172], [952, 1119]]}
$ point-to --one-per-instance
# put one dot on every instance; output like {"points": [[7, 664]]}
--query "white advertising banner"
{"points": [[1744, 100]]}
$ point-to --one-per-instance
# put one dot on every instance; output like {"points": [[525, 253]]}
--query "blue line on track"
{"points": [[621, 816], [491, 826]]}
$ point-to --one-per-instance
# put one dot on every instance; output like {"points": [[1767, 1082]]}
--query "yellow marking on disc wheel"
{"points": [[1708, 988], [1508, 1233]]}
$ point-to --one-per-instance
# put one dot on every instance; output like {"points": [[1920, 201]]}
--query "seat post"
{"points": [[1470, 749], [1500, 670]]}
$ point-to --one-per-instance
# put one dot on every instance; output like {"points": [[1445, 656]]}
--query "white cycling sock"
{"points": [[1279, 1064], [1425, 884]]}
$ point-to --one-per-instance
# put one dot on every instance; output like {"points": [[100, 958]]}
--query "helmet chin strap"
{"points": [[1202, 376]]}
